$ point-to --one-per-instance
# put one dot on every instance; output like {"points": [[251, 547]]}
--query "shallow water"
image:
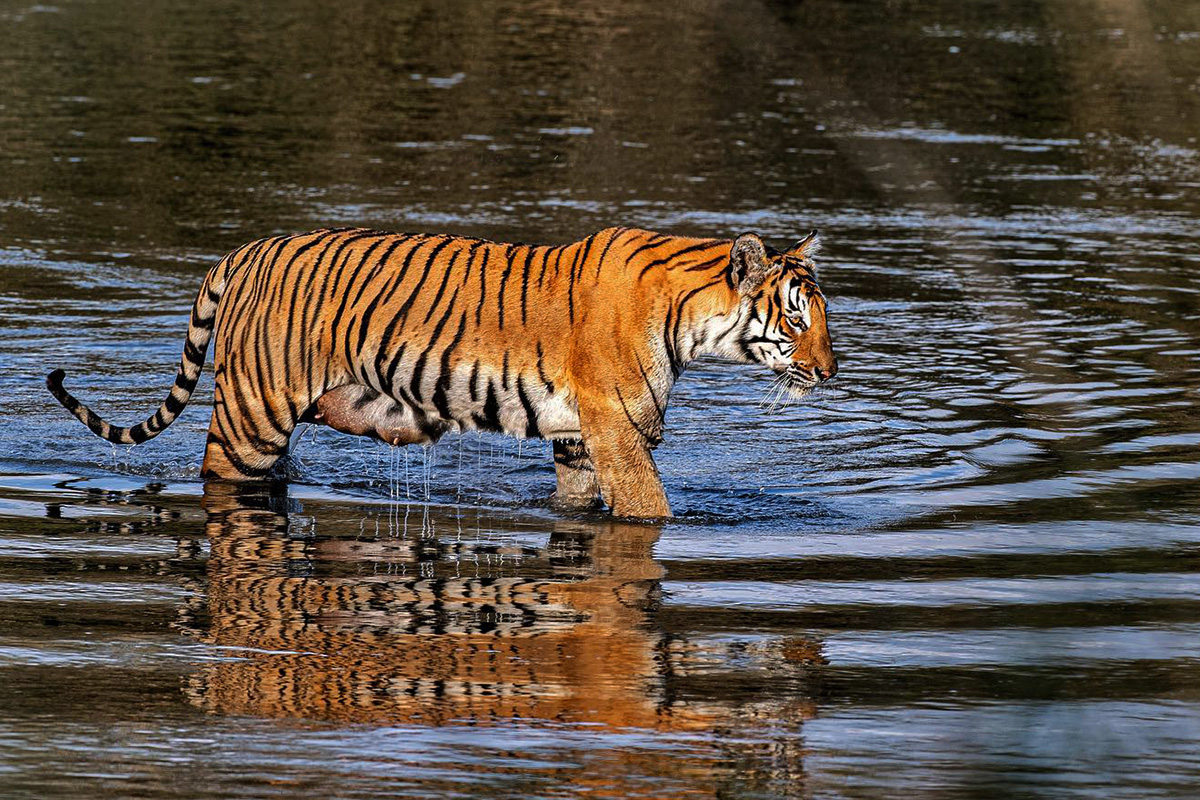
{"points": [[970, 568]]}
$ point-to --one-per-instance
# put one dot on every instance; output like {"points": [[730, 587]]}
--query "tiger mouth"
{"points": [[800, 379]]}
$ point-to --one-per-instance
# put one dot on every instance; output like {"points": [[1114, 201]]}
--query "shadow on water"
{"points": [[432, 616]]}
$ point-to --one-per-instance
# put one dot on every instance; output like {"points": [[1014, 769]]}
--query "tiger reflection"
{"points": [[397, 628]]}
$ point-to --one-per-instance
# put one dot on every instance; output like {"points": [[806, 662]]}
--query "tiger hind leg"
{"points": [[244, 445], [578, 486], [362, 411]]}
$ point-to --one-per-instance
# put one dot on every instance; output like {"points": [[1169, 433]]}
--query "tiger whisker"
{"points": [[777, 386], [771, 390], [780, 394]]}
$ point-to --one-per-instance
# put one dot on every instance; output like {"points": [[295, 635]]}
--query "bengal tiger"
{"points": [[404, 337]]}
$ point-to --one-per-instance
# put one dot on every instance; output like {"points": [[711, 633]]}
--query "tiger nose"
{"points": [[826, 374]]}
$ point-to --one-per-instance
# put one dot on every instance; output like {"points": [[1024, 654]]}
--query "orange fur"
{"points": [[404, 337]]}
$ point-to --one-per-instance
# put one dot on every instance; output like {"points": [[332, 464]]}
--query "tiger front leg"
{"points": [[578, 487], [628, 477]]}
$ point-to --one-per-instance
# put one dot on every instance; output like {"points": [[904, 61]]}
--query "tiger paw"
{"points": [[575, 502]]}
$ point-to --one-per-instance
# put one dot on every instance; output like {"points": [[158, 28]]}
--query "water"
{"points": [[968, 569]]}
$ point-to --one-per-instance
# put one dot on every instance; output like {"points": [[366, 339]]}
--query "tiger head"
{"points": [[781, 316]]}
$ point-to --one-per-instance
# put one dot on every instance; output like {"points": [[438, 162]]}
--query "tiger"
{"points": [[405, 337]]}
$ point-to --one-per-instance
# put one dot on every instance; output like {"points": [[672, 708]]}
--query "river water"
{"points": [[970, 568]]}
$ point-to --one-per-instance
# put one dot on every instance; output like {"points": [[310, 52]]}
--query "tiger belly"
{"points": [[513, 408], [362, 411]]}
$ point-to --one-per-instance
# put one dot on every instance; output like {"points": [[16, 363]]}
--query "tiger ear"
{"points": [[748, 262], [808, 246]]}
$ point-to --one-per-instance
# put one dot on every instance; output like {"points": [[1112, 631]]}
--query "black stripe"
{"points": [[508, 255], [541, 371], [504, 372], [471, 385], [658, 262], [267, 447], [414, 384], [667, 340], [222, 414], [350, 303], [193, 354], [98, 425], [525, 284], [571, 282], [442, 386], [720, 336], [545, 263], [431, 429], [293, 415], [475, 245], [419, 368], [384, 297], [387, 378], [703, 265], [660, 407], [656, 240], [604, 253], [483, 268], [398, 321], [531, 426], [558, 260], [636, 425], [198, 321], [173, 405], [69, 402], [186, 383], [682, 302], [744, 346], [491, 410], [587, 251], [572, 453], [437, 298], [754, 301]]}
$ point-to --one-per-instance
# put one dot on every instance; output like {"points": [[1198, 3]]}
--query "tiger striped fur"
{"points": [[405, 337]]}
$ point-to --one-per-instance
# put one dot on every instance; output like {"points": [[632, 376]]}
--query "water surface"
{"points": [[969, 568]]}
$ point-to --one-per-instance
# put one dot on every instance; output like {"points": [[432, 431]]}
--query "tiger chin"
{"points": [[407, 337]]}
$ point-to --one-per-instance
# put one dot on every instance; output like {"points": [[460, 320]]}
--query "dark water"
{"points": [[969, 570]]}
